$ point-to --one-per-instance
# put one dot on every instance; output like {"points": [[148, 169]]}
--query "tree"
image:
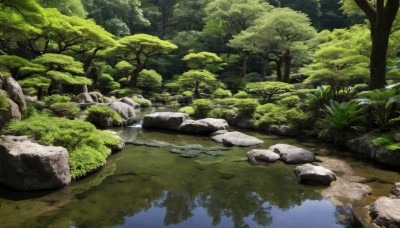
{"points": [[202, 60], [381, 15], [280, 36], [339, 68], [66, 7], [195, 77], [266, 90], [149, 80], [14, 64], [188, 15], [159, 13], [62, 70], [138, 49]]}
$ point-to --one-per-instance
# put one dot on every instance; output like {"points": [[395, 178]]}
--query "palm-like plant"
{"points": [[320, 98], [340, 120], [381, 105]]}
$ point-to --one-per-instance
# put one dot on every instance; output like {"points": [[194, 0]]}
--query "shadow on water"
{"points": [[148, 186]]}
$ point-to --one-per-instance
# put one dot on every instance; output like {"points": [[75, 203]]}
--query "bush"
{"points": [[270, 114], [387, 141], [126, 92], [149, 80], [57, 98], [247, 106], [221, 93], [290, 101], [224, 113], [202, 107], [187, 93], [144, 103], [226, 101], [188, 110], [97, 114], [4, 105], [88, 147], [241, 95], [67, 109]]}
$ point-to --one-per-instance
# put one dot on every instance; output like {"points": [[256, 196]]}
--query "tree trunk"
{"points": [[278, 70], [378, 58], [196, 89], [134, 77], [264, 64], [245, 58], [287, 60]]}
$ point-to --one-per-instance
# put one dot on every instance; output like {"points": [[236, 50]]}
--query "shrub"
{"points": [[144, 103], [224, 113], [149, 80], [97, 114], [266, 90], [290, 101], [126, 92], [202, 107], [56, 98], [321, 97], [270, 114], [187, 93], [4, 105], [67, 109], [241, 95], [87, 146], [247, 106], [387, 141], [221, 93], [188, 110], [226, 101]]}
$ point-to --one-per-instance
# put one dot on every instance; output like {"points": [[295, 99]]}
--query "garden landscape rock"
{"points": [[293, 154], [164, 120], [386, 212], [314, 174], [14, 92], [235, 138], [126, 112], [84, 98], [130, 102], [264, 157], [203, 126], [26, 165], [396, 189]]}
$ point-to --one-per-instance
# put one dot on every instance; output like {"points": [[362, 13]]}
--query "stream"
{"points": [[151, 184]]}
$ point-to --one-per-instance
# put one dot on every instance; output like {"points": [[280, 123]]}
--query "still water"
{"points": [[149, 186]]}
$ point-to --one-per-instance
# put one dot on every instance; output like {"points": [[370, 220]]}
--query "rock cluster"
{"points": [[10, 88]]}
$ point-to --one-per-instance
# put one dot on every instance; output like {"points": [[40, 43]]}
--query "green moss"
{"points": [[188, 110], [144, 103], [56, 99], [4, 105], [87, 146], [387, 141], [96, 114]]}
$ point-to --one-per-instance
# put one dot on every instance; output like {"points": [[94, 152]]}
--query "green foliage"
{"points": [[241, 95], [96, 114], [266, 90], [201, 60], [223, 113], [226, 101], [144, 103], [187, 93], [193, 78], [247, 107], [221, 93], [387, 141], [321, 97], [65, 109], [188, 110], [149, 80], [269, 114], [87, 146], [202, 107], [340, 120], [106, 83], [380, 105], [4, 105], [290, 101], [56, 98]]}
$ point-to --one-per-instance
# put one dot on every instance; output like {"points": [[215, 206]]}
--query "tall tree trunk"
{"points": [[245, 58], [134, 77], [196, 89], [381, 17], [287, 60], [264, 64], [278, 70]]}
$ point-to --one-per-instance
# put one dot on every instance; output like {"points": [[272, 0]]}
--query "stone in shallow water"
{"points": [[314, 174], [386, 212], [235, 138], [293, 154], [203, 126], [164, 120], [263, 156]]}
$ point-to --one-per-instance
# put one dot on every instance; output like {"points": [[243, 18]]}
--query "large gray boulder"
{"points": [[14, 91], [96, 97], [235, 138], [164, 120], [26, 165], [126, 111], [293, 154], [130, 102], [364, 145], [282, 130], [263, 157], [314, 174], [84, 98], [203, 126], [396, 189], [386, 212]]}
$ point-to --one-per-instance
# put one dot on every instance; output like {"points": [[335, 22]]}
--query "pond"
{"points": [[149, 186]]}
